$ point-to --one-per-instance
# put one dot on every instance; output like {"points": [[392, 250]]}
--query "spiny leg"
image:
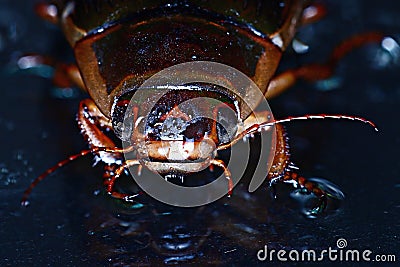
{"points": [[110, 182], [92, 123], [281, 160], [316, 72], [282, 168]]}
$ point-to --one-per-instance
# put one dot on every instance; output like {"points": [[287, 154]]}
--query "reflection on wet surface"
{"points": [[230, 230], [71, 222]]}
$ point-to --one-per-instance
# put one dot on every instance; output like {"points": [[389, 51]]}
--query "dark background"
{"points": [[70, 221]]}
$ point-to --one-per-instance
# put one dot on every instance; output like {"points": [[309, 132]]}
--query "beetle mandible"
{"points": [[119, 44]]}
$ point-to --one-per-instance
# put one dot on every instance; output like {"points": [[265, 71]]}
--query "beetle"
{"points": [[119, 44]]}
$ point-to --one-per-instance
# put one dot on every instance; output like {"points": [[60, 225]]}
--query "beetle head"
{"points": [[182, 130]]}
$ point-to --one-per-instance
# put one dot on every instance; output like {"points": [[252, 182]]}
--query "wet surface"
{"points": [[71, 222]]}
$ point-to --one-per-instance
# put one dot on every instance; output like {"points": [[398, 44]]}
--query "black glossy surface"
{"points": [[69, 223]]}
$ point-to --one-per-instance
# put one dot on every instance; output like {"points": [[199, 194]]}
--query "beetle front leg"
{"points": [[317, 72], [110, 182], [92, 123]]}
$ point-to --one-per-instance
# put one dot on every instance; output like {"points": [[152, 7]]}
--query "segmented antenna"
{"points": [[262, 126], [24, 200], [320, 116]]}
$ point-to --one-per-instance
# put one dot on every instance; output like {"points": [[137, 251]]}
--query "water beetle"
{"points": [[119, 44]]}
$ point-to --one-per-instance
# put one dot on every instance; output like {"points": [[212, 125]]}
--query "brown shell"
{"points": [[124, 50]]}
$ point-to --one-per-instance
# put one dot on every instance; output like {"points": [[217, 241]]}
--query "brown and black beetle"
{"points": [[118, 44]]}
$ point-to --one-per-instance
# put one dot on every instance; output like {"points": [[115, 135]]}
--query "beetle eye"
{"points": [[197, 129]]}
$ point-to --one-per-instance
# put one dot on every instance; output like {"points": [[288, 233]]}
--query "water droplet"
{"points": [[309, 203], [328, 84], [300, 47], [330, 188], [19, 155], [25, 203], [390, 45]]}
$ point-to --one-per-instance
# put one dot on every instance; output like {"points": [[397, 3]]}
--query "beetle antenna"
{"points": [[264, 125], [318, 116], [24, 200]]}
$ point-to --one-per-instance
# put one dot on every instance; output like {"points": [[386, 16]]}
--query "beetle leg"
{"points": [[64, 76], [311, 187], [91, 122], [110, 182], [316, 72], [89, 114], [282, 168], [221, 164], [68, 75]]}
